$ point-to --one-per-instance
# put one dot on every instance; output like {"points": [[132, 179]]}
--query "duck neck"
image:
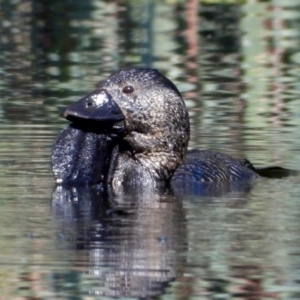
{"points": [[146, 169], [150, 158]]}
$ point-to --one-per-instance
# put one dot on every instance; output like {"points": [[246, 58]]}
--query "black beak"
{"points": [[97, 106]]}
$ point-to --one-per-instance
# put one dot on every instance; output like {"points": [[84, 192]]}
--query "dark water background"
{"points": [[237, 65]]}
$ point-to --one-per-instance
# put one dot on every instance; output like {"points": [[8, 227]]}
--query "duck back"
{"points": [[210, 166]]}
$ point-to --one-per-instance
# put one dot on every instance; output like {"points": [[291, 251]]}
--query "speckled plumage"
{"points": [[156, 126]]}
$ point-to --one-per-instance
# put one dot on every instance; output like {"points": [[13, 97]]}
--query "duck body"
{"points": [[152, 149], [210, 166]]}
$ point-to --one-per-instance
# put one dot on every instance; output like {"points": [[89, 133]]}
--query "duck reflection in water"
{"points": [[128, 249]]}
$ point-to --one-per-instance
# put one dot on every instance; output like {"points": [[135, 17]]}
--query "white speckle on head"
{"points": [[99, 99]]}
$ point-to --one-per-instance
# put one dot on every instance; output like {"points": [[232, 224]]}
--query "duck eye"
{"points": [[128, 89]]}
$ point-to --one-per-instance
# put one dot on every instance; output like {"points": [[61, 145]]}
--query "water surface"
{"points": [[237, 66]]}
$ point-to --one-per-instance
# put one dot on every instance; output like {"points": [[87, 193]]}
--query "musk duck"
{"points": [[133, 131]]}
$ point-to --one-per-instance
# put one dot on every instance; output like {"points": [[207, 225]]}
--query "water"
{"points": [[237, 66]]}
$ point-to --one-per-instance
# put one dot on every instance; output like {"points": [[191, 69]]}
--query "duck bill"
{"points": [[97, 106], [83, 151]]}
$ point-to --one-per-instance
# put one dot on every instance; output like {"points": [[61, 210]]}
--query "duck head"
{"points": [[154, 118]]}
